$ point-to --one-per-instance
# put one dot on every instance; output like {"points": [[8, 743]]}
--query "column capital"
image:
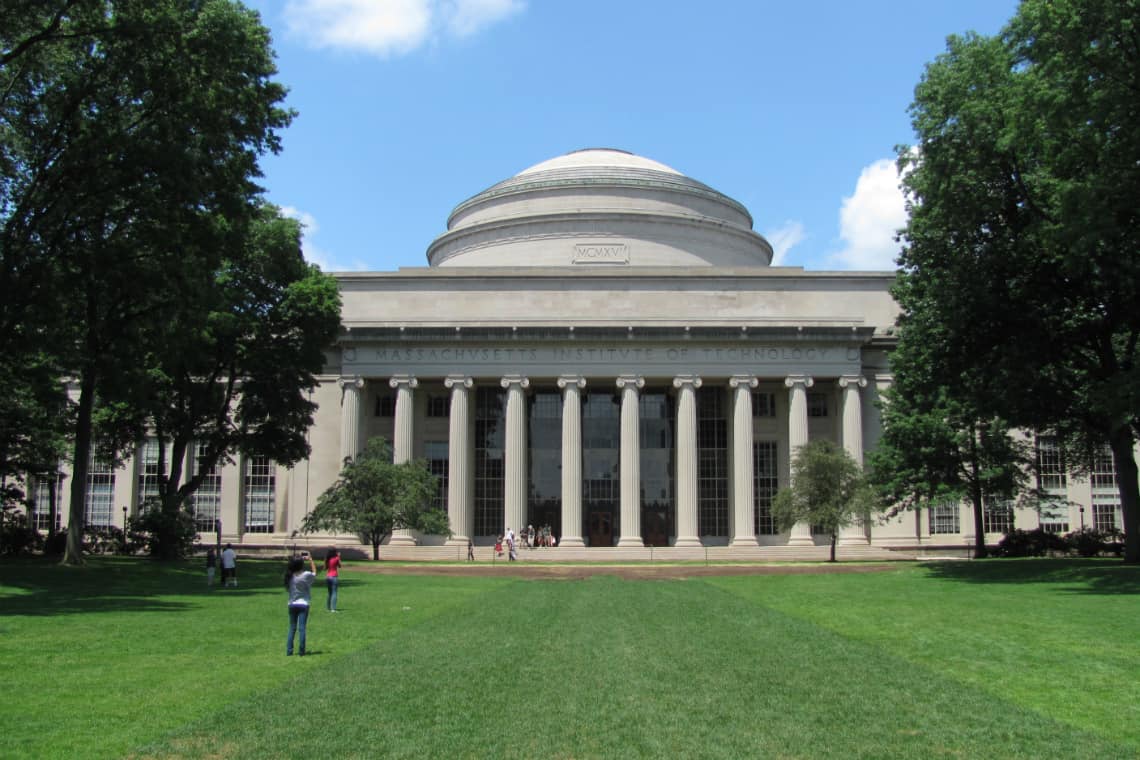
{"points": [[637, 381], [738, 380], [409, 380], [857, 380], [682, 380], [567, 380], [791, 381], [354, 381], [519, 380], [464, 381]]}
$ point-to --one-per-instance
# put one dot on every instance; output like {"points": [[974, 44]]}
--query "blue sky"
{"points": [[408, 107]]}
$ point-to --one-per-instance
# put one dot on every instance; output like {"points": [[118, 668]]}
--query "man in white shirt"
{"points": [[229, 566]]}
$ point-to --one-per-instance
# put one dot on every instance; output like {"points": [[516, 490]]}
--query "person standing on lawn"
{"points": [[211, 566], [229, 566], [332, 577], [299, 584]]}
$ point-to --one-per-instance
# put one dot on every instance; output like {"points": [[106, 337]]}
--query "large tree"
{"points": [[130, 132], [373, 497], [233, 372], [936, 445], [828, 490], [1024, 230]]}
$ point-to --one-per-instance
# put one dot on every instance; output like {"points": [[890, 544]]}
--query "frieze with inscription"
{"points": [[663, 360]]}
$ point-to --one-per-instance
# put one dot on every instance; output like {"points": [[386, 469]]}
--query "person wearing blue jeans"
{"points": [[332, 576], [299, 583]]}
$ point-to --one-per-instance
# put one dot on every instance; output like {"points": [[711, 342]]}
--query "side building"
{"points": [[599, 344]]}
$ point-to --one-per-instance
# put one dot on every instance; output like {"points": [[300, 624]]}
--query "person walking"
{"points": [[229, 566], [211, 566], [470, 550], [332, 577], [299, 584]]}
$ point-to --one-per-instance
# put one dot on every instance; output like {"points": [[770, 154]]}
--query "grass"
{"points": [[1000, 659]]}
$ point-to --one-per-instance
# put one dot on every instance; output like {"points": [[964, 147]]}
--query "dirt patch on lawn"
{"points": [[627, 572]]}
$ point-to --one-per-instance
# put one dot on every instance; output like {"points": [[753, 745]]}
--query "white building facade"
{"points": [[600, 345]]}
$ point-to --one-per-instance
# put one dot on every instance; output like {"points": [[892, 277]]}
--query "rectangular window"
{"points": [[763, 404], [438, 406], [260, 494], [712, 462], [765, 483], [944, 518], [817, 404], [41, 503], [436, 454], [148, 472], [100, 494], [1054, 525], [1103, 474], [386, 405], [489, 473], [997, 517], [206, 503], [1104, 515], [1050, 464]]}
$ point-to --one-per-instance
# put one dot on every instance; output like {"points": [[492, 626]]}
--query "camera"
{"points": [[304, 555]]}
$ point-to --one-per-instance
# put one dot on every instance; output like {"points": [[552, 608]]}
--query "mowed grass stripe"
{"points": [[612, 668], [123, 651], [1054, 636]]}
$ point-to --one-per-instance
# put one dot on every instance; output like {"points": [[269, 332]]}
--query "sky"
{"points": [[406, 108]]}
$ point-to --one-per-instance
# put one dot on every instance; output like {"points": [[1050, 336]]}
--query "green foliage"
{"points": [[372, 497], [165, 534], [1022, 238], [16, 536], [1090, 542], [1031, 543], [828, 490]]}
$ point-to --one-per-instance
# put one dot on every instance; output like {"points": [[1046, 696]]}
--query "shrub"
{"points": [[55, 543], [166, 535], [1090, 542], [16, 535], [1031, 543]]}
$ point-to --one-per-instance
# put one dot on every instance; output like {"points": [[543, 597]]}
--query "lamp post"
{"points": [[1082, 510], [124, 522]]}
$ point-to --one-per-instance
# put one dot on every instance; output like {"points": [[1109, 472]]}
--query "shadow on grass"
{"points": [[1076, 576], [40, 586]]}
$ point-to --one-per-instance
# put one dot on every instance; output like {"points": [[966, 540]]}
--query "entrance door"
{"points": [[600, 529]]}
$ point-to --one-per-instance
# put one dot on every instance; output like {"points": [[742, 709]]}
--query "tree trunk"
{"points": [[834, 540], [81, 454], [1122, 442], [376, 550], [976, 498]]}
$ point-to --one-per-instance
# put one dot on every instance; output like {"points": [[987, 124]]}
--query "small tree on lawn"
{"points": [[373, 497], [828, 490]]}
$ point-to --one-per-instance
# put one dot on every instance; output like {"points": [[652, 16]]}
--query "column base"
{"points": [[801, 535], [744, 541], [688, 541], [572, 542], [402, 540], [632, 542], [852, 541], [456, 541]]}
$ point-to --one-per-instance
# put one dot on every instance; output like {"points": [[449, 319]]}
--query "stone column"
{"points": [[630, 386], [571, 386], [403, 440], [460, 456], [853, 535], [686, 448], [514, 464], [350, 417], [797, 437], [742, 477]]}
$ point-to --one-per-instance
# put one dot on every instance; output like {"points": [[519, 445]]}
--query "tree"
{"points": [[828, 490], [372, 497], [129, 137], [232, 372], [1023, 232], [935, 446]]}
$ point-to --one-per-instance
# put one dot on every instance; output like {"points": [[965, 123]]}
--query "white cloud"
{"points": [[870, 218], [313, 253], [391, 27], [783, 239]]}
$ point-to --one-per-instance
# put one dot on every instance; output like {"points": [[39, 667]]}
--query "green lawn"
{"points": [[985, 659]]}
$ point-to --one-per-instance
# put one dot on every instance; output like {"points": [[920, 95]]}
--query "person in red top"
{"points": [[332, 576]]}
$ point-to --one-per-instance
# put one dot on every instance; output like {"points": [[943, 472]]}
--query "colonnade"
{"points": [[460, 490]]}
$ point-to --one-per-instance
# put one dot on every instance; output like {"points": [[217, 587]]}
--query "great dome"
{"points": [[599, 207]]}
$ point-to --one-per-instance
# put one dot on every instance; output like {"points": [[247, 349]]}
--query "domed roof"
{"points": [[599, 206]]}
